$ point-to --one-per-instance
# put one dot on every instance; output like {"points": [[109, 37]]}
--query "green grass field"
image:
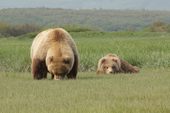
{"points": [[145, 92]]}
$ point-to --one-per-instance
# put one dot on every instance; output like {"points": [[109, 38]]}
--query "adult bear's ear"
{"points": [[50, 59]]}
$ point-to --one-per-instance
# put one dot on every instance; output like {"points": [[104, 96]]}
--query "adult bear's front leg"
{"points": [[38, 69], [73, 73]]}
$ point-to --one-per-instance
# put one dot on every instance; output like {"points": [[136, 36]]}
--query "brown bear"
{"points": [[54, 51], [111, 63]]}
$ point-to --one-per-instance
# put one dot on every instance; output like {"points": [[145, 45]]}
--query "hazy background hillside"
{"points": [[104, 20], [102, 15], [88, 4]]}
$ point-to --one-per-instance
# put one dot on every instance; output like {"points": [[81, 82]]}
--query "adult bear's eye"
{"points": [[66, 61]]}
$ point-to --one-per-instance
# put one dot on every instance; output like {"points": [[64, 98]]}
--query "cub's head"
{"points": [[59, 66], [109, 64]]}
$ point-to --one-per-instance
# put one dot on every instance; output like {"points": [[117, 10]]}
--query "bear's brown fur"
{"points": [[111, 63], [54, 51]]}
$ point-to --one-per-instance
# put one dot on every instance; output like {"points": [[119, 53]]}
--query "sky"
{"points": [[88, 4]]}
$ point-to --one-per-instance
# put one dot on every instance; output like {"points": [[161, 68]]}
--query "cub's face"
{"points": [[59, 66], [109, 66]]}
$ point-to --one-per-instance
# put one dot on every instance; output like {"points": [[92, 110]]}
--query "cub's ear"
{"points": [[103, 61], [115, 60]]}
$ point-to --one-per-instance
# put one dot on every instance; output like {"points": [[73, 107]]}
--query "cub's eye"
{"points": [[105, 67], [66, 61]]}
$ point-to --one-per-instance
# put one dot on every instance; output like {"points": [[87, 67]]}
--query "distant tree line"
{"points": [[7, 30], [159, 26], [103, 20], [17, 30]]}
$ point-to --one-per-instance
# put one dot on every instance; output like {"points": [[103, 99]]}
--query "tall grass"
{"points": [[146, 50], [14, 55]]}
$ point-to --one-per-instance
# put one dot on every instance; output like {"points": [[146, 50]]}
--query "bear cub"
{"points": [[111, 63]]}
